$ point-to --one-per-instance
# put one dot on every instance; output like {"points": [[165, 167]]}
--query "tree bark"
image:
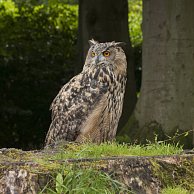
{"points": [[20, 173], [108, 21], [166, 100]]}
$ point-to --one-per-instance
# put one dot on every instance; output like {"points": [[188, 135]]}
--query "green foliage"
{"points": [[115, 149], [175, 190], [76, 180], [59, 183], [36, 55], [135, 21], [136, 37]]}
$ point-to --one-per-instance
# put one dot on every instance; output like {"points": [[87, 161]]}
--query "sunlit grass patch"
{"points": [[114, 149], [175, 190]]}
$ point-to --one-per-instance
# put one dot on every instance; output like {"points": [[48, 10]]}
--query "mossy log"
{"points": [[25, 171]]}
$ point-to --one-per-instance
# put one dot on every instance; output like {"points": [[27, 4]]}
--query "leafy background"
{"points": [[38, 49]]}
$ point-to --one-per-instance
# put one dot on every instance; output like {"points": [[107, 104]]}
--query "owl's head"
{"points": [[108, 54]]}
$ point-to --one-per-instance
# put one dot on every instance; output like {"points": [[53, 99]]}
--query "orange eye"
{"points": [[93, 54], [106, 53]]}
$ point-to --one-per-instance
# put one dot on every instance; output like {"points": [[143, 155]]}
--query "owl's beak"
{"points": [[98, 59]]}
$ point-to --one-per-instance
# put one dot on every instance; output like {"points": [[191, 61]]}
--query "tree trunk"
{"points": [[166, 102], [108, 21]]}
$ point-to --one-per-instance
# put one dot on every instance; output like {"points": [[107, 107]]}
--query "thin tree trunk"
{"points": [[108, 21], [166, 102]]}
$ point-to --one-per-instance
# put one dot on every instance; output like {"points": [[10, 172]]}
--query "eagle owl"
{"points": [[89, 106]]}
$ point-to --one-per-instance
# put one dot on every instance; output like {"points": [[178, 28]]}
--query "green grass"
{"points": [[115, 149], [175, 190], [85, 181]]}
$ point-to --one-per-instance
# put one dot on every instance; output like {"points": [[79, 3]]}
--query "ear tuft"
{"points": [[92, 42], [121, 44]]}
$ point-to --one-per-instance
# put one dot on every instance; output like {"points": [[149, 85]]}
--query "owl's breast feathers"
{"points": [[83, 109]]}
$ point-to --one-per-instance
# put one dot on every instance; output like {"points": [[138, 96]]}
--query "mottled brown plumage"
{"points": [[89, 106]]}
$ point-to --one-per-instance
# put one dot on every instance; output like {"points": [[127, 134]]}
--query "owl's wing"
{"points": [[72, 106]]}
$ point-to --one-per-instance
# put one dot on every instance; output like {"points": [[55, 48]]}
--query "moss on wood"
{"points": [[30, 172]]}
